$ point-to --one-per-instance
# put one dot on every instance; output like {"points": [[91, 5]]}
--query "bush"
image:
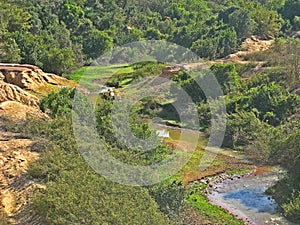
{"points": [[271, 101], [292, 209], [57, 104], [227, 76], [75, 194]]}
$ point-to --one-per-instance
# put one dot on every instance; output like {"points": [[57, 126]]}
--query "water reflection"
{"points": [[246, 198], [254, 198]]}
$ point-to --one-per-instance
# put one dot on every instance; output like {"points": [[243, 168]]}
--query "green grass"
{"points": [[91, 76], [126, 81], [192, 167], [212, 212], [88, 75], [238, 172], [196, 197], [136, 71]]}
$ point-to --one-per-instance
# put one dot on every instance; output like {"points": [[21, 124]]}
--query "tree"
{"points": [[58, 104], [244, 129], [14, 18], [241, 21], [285, 52], [296, 23], [153, 34], [291, 9], [268, 22], [218, 42], [10, 51], [205, 48], [96, 43], [227, 76], [31, 46], [59, 61], [71, 14]]}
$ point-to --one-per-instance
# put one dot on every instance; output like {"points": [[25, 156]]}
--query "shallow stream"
{"points": [[245, 196]]}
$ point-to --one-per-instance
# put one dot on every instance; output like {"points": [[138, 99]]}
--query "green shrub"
{"points": [[75, 194], [227, 76], [292, 209]]}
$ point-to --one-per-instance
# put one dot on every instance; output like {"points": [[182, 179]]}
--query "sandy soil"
{"points": [[16, 187], [250, 45], [17, 111]]}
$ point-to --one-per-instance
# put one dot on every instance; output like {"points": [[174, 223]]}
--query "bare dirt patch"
{"points": [[16, 186], [17, 111]]}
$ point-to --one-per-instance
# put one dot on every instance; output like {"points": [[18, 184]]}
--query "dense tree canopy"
{"points": [[263, 116], [38, 32]]}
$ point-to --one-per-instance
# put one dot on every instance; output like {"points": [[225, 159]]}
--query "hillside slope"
{"points": [[18, 84], [20, 89]]}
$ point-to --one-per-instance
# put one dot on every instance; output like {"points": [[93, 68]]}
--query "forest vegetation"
{"points": [[62, 35], [263, 117]]}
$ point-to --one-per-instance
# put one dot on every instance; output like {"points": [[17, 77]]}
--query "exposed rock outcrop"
{"points": [[18, 84], [172, 70], [16, 80], [17, 111], [296, 34], [29, 77], [9, 92]]}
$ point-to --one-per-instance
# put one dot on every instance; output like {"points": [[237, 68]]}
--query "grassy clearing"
{"points": [[91, 74], [136, 71], [117, 75]]}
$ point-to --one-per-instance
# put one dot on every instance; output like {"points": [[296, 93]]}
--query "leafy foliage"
{"points": [[76, 194], [227, 76], [196, 197], [38, 32], [62, 35], [170, 196], [271, 102], [58, 103], [292, 209]]}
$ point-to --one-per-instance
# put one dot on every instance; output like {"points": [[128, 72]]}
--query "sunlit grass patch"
{"points": [[239, 172], [89, 74], [197, 198]]}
